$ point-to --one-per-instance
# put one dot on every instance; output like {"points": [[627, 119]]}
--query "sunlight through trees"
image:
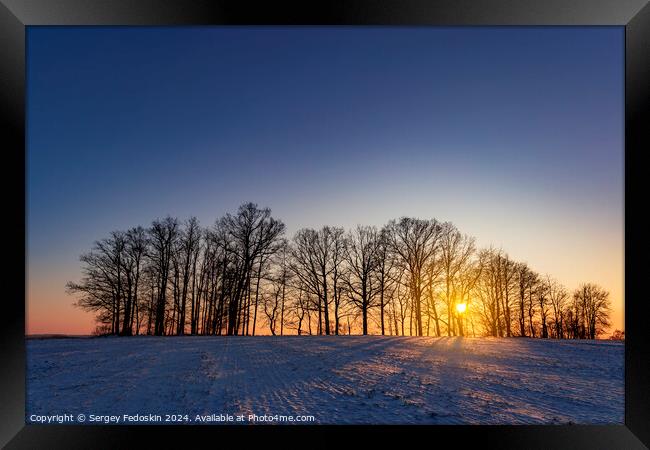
{"points": [[242, 276]]}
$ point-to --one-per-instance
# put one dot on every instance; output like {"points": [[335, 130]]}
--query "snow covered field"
{"points": [[339, 380]]}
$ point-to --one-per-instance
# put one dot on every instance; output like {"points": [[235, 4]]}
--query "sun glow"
{"points": [[461, 307]]}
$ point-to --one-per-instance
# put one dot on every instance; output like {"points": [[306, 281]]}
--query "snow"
{"points": [[335, 379]]}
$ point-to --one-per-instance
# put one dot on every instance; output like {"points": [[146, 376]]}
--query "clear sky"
{"points": [[514, 134]]}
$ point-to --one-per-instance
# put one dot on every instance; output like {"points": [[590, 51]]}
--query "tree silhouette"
{"points": [[240, 275]]}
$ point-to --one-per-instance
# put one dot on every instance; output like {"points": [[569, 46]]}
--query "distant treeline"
{"points": [[241, 276]]}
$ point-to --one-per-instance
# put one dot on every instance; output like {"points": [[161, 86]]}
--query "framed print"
{"points": [[262, 220]]}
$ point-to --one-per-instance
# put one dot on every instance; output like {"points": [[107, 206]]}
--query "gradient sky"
{"points": [[514, 134]]}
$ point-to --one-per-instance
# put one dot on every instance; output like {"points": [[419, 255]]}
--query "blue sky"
{"points": [[514, 134]]}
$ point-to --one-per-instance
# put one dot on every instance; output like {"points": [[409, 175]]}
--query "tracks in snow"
{"points": [[337, 379]]}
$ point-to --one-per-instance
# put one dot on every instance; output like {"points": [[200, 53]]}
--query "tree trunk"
{"points": [[257, 291], [326, 306]]}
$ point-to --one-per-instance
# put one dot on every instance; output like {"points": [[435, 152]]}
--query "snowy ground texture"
{"points": [[338, 380]]}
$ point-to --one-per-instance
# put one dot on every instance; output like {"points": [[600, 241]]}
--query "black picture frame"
{"points": [[15, 15]]}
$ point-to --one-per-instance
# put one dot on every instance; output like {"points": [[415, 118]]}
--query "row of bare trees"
{"points": [[241, 276]]}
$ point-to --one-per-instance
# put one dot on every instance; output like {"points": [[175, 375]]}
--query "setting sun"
{"points": [[461, 307]]}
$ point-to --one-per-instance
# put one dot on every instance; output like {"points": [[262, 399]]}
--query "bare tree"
{"points": [[135, 250], [188, 247], [557, 296], [456, 251], [468, 276], [313, 263], [384, 275], [163, 234], [487, 292], [252, 231], [339, 248], [362, 258], [543, 301], [594, 305], [526, 282], [269, 243], [415, 242], [101, 284]]}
